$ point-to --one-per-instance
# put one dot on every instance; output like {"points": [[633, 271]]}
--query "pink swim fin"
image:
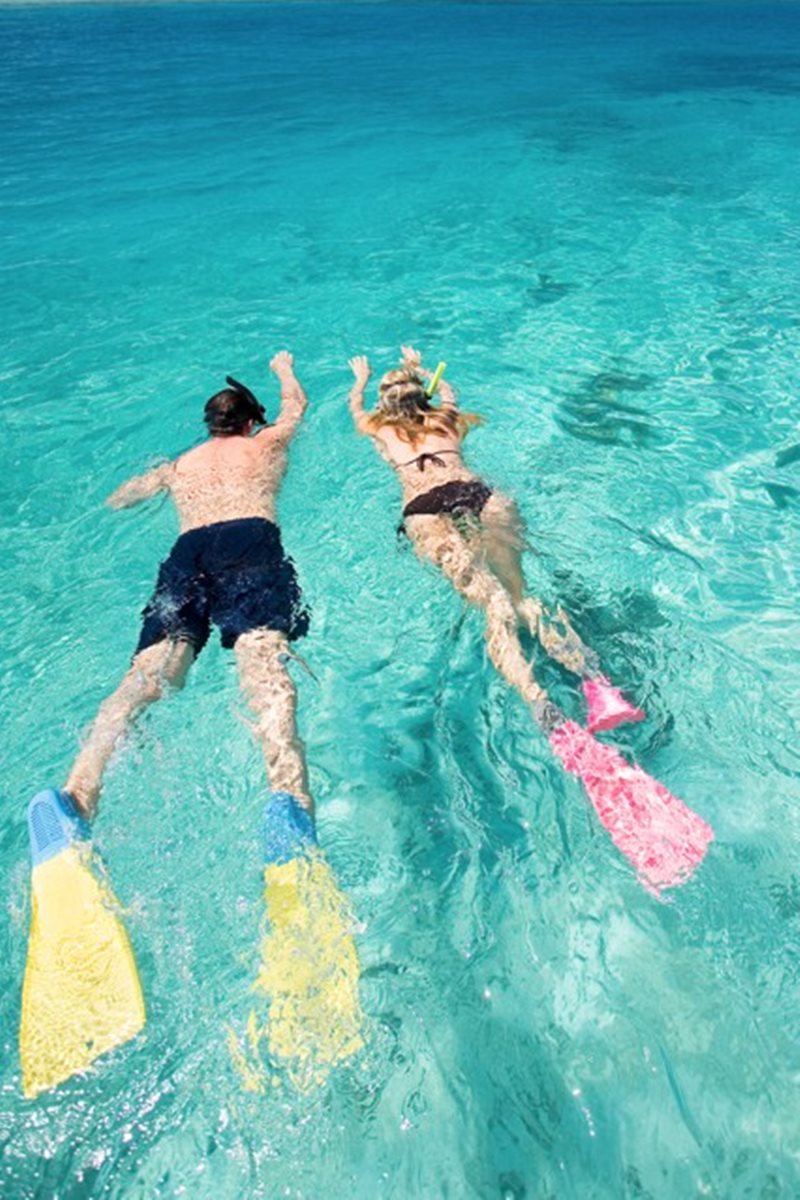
{"points": [[657, 832], [607, 707]]}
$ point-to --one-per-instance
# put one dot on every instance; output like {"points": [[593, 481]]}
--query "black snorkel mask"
{"points": [[257, 413]]}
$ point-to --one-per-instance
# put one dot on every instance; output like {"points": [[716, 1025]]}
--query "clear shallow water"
{"points": [[592, 213]]}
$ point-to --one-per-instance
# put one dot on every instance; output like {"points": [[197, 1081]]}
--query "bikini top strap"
{"points": [[429, 456]]}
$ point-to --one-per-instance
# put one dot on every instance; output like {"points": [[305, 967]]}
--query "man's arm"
{"points": [[294, 401], [447, 396], [362, 371], [141, 487]]}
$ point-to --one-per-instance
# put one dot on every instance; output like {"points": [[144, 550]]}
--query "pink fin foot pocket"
{"points": [[606, 705], [659, 834]]}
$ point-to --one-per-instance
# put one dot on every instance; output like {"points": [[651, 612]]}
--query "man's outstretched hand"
{"points": [[282, 363]]}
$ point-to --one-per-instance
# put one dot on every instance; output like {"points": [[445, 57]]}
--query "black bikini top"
{"points": [[430, 456]]}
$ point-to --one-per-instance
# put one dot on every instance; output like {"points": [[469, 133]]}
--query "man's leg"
{"points": [[261, 656], [163, 665]]}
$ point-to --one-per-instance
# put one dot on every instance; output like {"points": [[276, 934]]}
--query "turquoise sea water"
{"points": [[592, 213]]}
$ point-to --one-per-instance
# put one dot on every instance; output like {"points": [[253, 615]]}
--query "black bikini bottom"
{"points": [[459, 498]]}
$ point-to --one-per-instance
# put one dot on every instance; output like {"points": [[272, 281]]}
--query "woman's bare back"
{"points": [[429, 462]]}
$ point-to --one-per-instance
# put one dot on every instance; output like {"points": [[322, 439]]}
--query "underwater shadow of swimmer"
{"points": [[527, 1124], [619, 627], [628, 609]]}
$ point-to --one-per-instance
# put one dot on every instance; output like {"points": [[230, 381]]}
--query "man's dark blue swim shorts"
{"points": [[234, 574]]}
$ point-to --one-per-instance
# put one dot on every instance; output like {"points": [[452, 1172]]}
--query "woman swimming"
{"points": [[474, 534]]}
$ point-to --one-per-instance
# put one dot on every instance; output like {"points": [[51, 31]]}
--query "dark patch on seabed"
{"points": [[787, 456], [786, 897], [656, 542], [549, 290], [596, 413], [571, 130], [773, 74], [783, 496]]}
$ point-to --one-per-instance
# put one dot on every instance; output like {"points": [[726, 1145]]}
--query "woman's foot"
{"points": [[607, 707], [530, 613]]}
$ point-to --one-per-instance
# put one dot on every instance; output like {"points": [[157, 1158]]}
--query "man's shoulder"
{"points": [[195, 455], [272, 439]]}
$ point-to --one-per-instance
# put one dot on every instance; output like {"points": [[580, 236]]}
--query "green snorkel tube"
{"points": [[435, 379]]}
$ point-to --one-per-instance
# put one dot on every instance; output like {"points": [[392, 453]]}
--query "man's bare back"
{"points": [[227, 478]]}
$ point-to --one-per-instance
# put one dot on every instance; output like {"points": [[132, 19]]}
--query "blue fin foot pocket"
{"points": [[287, 829], [53, 824]]}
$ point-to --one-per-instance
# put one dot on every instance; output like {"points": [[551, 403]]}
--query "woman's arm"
{"points": [[447, 396], [362, 371], [141, 487]]}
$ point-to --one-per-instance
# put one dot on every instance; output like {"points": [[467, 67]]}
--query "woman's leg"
{"points": [[503, 540], [502, 530], [262, 656], [436, 538], [562, 643], [502, 536], [163, 665]]}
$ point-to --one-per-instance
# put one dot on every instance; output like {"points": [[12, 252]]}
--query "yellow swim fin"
{"points": [[309, 967], [81, 994]]}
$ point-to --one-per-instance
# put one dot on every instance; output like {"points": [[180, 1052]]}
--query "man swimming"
{"points": [[228, 568]]}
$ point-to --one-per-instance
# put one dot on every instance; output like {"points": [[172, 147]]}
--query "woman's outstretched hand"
{"points": [[411, 357], [360, 367]]}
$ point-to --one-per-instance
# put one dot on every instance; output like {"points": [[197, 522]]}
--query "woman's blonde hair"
{"points": [[403, 404]]}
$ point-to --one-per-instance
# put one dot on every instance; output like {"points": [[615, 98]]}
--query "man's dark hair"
{"points": [[229, 411]]}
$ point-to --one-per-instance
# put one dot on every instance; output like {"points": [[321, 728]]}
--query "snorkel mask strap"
{"points": [[259, 414]]}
